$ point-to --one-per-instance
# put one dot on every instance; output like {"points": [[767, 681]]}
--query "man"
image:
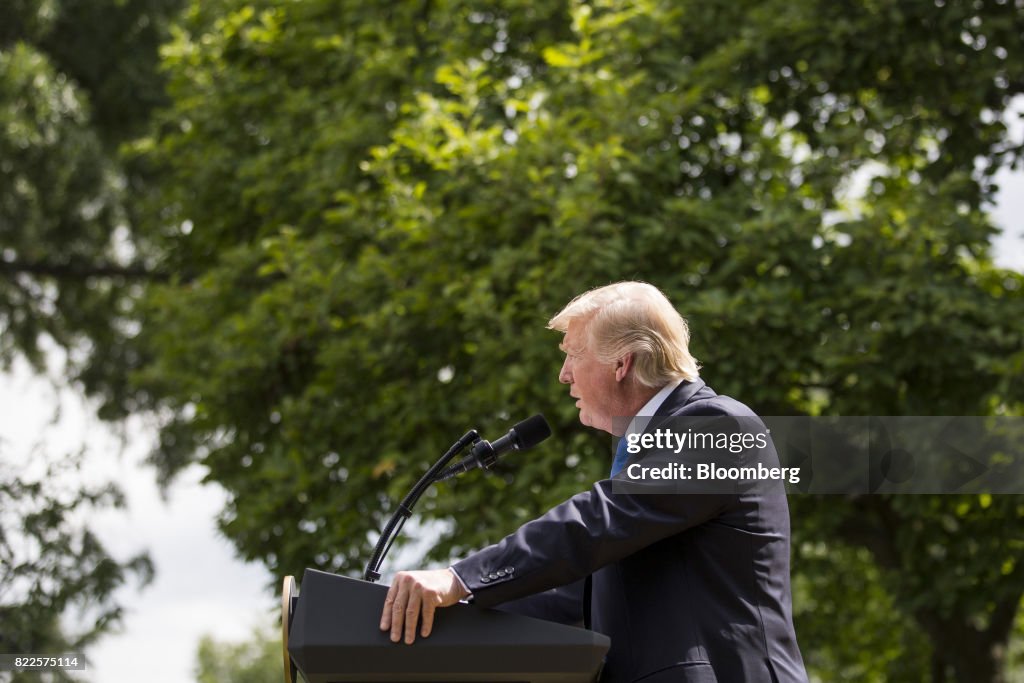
{"points": [[688, 587]]}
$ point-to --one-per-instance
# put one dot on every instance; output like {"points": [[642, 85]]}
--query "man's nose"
{"points": [[565, 374]]}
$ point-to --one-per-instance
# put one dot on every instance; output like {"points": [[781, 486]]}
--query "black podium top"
{"points": [[334, 638]]}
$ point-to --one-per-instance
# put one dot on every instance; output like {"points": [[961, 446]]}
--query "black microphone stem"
{"points": [[404, 511]]}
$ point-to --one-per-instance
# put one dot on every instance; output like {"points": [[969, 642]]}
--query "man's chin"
{"points": [[588, 420]]}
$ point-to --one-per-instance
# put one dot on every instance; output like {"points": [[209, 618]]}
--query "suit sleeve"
{"points": [[572, 540]]}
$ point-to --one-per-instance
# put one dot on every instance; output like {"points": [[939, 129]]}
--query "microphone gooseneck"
{"points": [[523, 435]]}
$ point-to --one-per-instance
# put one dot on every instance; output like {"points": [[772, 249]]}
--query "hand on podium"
{"points": [[416, 592]]}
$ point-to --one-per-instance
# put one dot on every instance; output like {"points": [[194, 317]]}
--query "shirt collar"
{"points": [[651, 407], [638, 422]]}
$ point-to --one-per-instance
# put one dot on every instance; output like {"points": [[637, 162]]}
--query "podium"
{"points": [[331, 635]]}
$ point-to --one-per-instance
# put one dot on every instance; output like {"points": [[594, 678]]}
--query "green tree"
{"points": [[386, 203], [77, 78], [382, 198], [257, 660]]}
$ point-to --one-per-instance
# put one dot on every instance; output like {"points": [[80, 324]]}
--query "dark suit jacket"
{"points": [[688, 587]]}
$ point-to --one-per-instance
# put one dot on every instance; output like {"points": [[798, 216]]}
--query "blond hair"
{"points": [[636, 318]]}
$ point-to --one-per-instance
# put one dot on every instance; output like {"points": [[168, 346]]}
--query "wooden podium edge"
{"points": [[287, 592]]}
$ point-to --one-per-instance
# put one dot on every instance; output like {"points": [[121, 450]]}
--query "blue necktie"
{"points": [[621, 456]]}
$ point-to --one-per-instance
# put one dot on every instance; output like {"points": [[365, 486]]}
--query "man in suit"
{"points": [[689, 586]]}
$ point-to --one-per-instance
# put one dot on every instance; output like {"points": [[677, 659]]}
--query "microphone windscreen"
{"points": [[532, 431]]}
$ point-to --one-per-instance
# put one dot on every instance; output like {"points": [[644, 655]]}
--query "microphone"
{"points": [[523, 435]]}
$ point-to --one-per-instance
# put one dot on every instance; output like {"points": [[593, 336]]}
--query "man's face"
{"points": [[591, 382]]}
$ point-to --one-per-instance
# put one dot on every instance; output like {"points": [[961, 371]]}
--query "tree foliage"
{"points": [[77, 78], [256, 660]]}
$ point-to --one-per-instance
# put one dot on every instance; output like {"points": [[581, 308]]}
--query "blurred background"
{"points": [[262, 262]]}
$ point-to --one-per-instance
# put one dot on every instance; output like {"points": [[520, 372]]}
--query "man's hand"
{"points": [[413, 592]]}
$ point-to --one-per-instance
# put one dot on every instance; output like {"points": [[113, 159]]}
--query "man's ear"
{"points": [[623, 366]]}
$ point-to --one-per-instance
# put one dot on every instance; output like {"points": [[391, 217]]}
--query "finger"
{"points": [[398, 608], [385, 615], [412, 614], [429, 607]]}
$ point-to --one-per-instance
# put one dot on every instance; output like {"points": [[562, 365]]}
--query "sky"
{"points": [[201, 586], [1008, 212], [1008, 248]]}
